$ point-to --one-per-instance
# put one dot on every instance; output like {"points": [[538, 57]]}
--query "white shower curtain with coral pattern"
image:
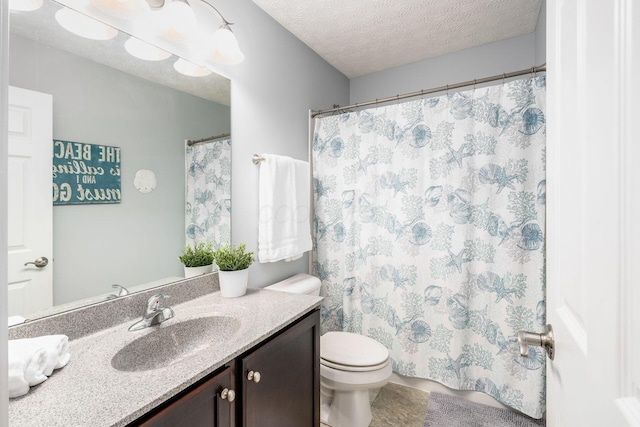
{"points": [[430, 235], [208, 193]]}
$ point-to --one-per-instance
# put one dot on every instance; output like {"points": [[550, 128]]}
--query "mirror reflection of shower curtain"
{"points": [[429, 235], [208, 193]]}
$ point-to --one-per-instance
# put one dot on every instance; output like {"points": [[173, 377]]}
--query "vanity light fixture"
{"points": [[222, 47], [190, 69], [143, 50], [177, 22], [25, 5], [84, 26]]}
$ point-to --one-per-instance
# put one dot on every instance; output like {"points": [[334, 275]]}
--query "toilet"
{"points": [[350, 366]]}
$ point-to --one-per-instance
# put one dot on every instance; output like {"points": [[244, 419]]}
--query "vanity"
{"points": [[248, 361]]}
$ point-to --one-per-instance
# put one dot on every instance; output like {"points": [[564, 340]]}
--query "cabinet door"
{"points": [[205, 405], [288, 392]]}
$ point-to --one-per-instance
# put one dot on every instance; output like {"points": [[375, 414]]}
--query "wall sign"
{"points": [[85, 173]]}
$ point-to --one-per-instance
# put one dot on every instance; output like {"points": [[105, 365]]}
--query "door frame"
{"points": [[4, 136]]}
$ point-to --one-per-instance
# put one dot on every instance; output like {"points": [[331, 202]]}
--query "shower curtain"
{"points": [[429, 235], [208, 193]]}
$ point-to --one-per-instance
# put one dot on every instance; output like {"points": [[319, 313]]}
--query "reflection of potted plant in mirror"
{"points": [[233, 269], [198, 259]]}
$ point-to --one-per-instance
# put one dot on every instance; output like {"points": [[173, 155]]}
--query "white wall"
{"points": [[487, 60], [4, 307], [139, 239], [271, 93]]}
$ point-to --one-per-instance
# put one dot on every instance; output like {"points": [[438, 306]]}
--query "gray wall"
{"points": [[541, 35], [487, 60], [138, 240], [271, 93]]}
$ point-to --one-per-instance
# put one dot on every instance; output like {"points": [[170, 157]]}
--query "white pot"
{"points": [[197, 271], [233, 283]]}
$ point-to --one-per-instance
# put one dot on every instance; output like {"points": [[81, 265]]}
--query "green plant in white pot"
{"points": [[233, 269], [198, 259]]}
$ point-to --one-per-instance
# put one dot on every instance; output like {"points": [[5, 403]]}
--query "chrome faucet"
{"points": [[154, 313]]}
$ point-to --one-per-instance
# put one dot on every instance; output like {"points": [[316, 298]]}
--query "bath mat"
{"points": [[396, 406], [448, 411]]}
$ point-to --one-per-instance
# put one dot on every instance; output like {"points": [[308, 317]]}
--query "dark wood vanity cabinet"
{"points": [[280, 380], [275, 384]]}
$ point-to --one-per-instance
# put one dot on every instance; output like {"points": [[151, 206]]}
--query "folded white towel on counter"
{"points": [[32, 360], [284, 232], [28, 360], [18, 386], [57, 348]]}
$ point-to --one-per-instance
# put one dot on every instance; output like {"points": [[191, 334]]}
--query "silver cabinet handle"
{"points": [[227, 394], [544, 340], [254, 376], [39, 262]]}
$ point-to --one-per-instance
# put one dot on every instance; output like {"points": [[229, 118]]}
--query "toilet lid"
{"points": [[349, 349]]}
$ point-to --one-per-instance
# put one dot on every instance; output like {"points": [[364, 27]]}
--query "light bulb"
{"points": [[190, 69], [84, 26], [143, 50], [177, 22], [25, 5], [223, 47]]}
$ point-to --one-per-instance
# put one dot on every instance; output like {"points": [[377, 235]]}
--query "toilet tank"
{"points": [[301, 283]]}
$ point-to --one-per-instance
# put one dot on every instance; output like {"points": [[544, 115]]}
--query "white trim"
{"points": [[4, 102]]}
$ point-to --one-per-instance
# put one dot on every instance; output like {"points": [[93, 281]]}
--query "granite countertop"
{"points": [[89, 391]]}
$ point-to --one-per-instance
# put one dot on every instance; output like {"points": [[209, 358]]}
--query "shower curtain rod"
{"points": [[474, 82], [191, 142]]}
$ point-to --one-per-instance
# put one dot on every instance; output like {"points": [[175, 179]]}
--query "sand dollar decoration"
{"points": [[145, 181]]}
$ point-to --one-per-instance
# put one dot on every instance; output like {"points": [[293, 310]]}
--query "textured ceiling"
{"points": [[360, 37]]}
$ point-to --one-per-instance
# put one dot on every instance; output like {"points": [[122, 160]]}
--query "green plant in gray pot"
{"points": [[198, 259], [233, 269]]}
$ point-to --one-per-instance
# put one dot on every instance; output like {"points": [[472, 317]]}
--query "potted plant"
{"points": [[198, 259], [233, 269]]}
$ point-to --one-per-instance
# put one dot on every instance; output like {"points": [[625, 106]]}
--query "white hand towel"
{"points": [[284, 232], [57, 347], [18, 386], [28, 359]]}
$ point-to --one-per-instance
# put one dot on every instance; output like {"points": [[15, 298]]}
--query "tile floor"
{"points": [[398, 406]]}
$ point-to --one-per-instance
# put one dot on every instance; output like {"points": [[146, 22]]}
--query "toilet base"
{"points": [[346, 409]]}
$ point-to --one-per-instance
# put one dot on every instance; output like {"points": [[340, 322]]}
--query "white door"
{"points": [[593, 211], [30, 203]]}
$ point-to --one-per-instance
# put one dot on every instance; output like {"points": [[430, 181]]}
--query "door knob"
{"points": [[227, 394], [254, 376], [39, 262], [544, 340]]}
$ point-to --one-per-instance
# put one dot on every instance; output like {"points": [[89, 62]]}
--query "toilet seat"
{"points": [[352, 352], [352, 368]]}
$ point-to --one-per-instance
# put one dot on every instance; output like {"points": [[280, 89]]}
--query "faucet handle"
{"points": [[122, 291], [154, 302]]}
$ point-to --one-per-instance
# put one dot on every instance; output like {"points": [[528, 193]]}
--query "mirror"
{"points": [[103, 96]]}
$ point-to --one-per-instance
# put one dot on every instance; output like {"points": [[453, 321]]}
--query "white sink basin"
{"points": [[173, 341]]}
